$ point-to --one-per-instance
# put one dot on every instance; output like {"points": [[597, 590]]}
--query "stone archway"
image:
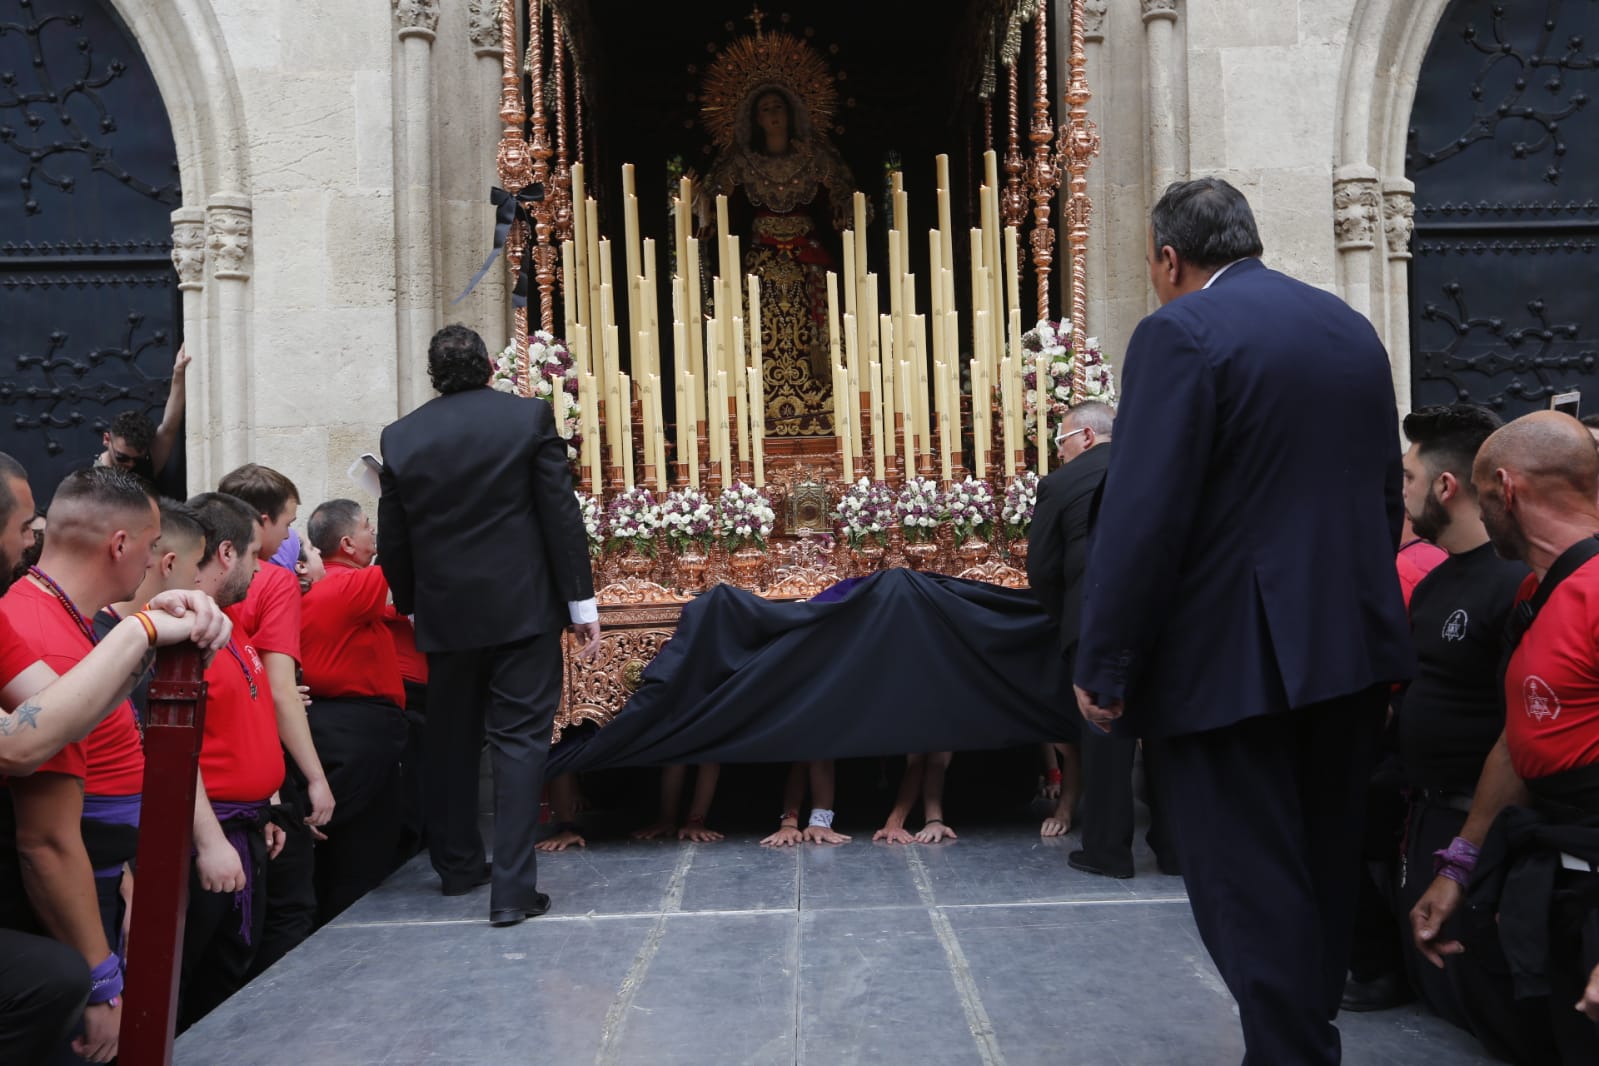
{"points": [[184, 46], [1372, 199]]}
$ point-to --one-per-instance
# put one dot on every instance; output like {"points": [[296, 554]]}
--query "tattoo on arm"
{"points": [[26, 715]]}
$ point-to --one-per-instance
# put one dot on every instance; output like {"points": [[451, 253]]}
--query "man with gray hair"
{"points": [[1241, 611]]}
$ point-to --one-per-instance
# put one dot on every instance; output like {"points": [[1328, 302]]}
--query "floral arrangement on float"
{"points": [[593, 522], [689, 520], [1021, 500], [866, 511], [744, 517], [1054, 339], [970, 504], [555, 376], [632, 520], [920, 508]]}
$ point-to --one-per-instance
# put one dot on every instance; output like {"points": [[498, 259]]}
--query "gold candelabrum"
{"points": [[936, 392]]}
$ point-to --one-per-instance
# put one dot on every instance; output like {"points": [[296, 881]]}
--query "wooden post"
{"points": [[172, 733]]}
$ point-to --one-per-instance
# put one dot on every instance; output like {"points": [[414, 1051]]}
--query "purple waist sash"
{"points": [[112, 810], [239, 820]]}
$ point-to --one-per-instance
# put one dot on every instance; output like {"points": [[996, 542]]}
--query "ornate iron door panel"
{"points": [[89, 311], [1504, 151]]}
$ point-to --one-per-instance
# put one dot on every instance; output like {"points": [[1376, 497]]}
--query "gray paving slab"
{"points": [[990, 950]]}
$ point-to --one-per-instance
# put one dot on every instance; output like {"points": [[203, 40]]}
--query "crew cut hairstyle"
{"points": [[1448, 436], [105, 490], [262, 487], [10, 470], [1206, 222], [181, 522], [226, 518], [331, 522], [135, 429], [457, 360]]}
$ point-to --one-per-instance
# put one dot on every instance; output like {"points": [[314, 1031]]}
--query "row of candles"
{"points": [[896, 376]]}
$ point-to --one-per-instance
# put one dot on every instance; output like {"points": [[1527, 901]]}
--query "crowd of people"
{"points": [[1378, 773]]}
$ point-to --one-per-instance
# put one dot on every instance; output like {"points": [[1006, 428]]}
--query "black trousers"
{"points": [[359, 743], [218, 946], [43, 987], [412, 801], [290, 878], [1267, 816], [1107, 800], [508, 694]]}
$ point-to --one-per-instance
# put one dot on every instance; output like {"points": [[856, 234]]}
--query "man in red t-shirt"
{"points": [[241, 767], [357, 696], [74, 822], [1536, 481], [270, 614]]}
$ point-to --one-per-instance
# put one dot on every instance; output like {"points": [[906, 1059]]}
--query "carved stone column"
{"points": [[416, 296], [227, 238], [1165, 62], [490, 311], [188, 259], [1399, 222], [1357, 207]]}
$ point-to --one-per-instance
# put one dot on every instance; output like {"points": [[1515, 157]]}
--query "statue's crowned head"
{"points": [[757, 69]]}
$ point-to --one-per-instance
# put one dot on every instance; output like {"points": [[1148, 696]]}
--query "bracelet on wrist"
{"points": [[105, 981], [149, 626], [933, 821], [821, 818]]}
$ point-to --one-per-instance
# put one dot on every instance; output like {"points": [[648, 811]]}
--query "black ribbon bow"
{"points": [[508, 207]]}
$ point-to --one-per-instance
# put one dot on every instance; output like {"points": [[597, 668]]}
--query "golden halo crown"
{"points": [[760, 61]]}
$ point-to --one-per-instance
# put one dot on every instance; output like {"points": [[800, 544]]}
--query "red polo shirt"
{"points": [[110, 760], [413, 664], [241, 759], [270, 614], [15, 654], [346, 646], [1552, 684]]}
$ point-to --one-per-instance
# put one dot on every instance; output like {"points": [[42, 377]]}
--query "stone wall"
{"points": [[336, 160]]}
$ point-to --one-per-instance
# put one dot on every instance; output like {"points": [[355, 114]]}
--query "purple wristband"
{"points": [[105, 980], [1457, 861]]}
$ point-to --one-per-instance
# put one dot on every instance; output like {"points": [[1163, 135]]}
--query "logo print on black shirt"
{"points": [[1542, 703], [1455, 625]]}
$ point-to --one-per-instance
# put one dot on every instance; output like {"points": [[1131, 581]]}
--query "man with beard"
{"points": [[1450, 716], [241, 766], [74, 822], [44, 983], [1533, 922]]}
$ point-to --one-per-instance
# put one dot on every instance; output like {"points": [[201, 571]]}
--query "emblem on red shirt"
{"points": [[1455, 626], [1542, 703], [255, 660]]}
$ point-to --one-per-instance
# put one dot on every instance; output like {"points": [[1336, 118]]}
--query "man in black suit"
{"points": [[1063, 521], [1241, 612], [480, 538]]}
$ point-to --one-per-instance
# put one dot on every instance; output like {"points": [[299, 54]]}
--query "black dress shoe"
{"points": [[1380, 993], [516, 915], [1079, 860], [461, 888]]}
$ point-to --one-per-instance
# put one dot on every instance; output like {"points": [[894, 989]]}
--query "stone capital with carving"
{"points": [[228, 239], [483, 26], [1357, 204], [417, 18], [1094, 12], [1159, 9], [188, 248], [1399, 220]]}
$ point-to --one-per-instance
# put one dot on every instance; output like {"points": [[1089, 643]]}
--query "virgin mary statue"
{"points": [[768, 101]]}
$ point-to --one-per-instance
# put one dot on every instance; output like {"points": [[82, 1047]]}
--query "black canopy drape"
{"points": [[903, 663]]}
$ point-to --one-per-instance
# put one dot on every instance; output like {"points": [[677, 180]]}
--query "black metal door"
{"points": [[1504, 151], [90, 318]]}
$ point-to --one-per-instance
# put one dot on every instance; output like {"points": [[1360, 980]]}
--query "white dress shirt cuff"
{"points": [[583, 611]]}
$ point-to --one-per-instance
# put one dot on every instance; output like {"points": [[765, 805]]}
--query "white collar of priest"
{"points": [[1212, 279]]}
